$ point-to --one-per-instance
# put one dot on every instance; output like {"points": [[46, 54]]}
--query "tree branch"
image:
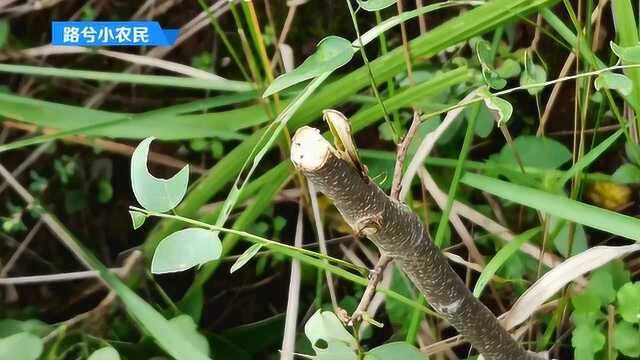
{"points": [[400, 235]]}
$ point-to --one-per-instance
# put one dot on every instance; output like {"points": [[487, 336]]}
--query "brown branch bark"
{"points": [[400, 235]]}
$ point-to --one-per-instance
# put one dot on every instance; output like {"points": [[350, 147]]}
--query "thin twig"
{"points": [[401, 154]]}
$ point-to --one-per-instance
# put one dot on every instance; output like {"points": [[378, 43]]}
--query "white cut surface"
{"points": [[309, 150]]}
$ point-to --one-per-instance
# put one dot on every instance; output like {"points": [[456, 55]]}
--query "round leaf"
{"points": [[106, 353], [332, 53], [152, 193], [627, 339], [629, 302], [185, 249], [534, 74], [21, 346]]}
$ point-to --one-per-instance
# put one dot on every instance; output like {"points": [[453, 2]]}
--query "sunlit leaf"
{"points": [[629, 302], [587, 340], [375, 5], [613, 81], [21, 346], [185, 249], [137, 219], [153, 193], [105, 353], [245, 257], [332, 53], [627, 339]]}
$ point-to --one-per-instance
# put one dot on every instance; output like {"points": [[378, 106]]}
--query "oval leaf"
{"points": [[613, 81], [185, 249], [375, 5], [560, 276], [27, 345], [106, 353], [332, 53], [245, 257], [155, 194], [137, 219]]}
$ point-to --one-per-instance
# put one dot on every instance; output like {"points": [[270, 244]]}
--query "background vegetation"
{"points": [[541, 165]]}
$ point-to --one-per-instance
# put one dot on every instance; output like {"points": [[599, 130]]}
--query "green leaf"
{"points": [[560, 206], [137, 219], [395, 350], [375, 5], [219, 83], [328, 337], [185, 325], [501, 257], [533, 74], [561, 239], [627, 339], [325, 325], [170, 123], [332, 53], [152, 193], [105, 353], [509, 68], [613, 81], [587, 340], [535, 151], [484, 121], [185, 249], [21, 346], [500, 108], [245, 257], [629, 302], [586, 303], [4, 32], [601, 285], [626, 54], [627, 174]]}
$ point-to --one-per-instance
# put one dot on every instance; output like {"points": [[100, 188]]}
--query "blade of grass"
{"points": [[501, 257], [151, 80], [589, 158], [556, 205]]}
